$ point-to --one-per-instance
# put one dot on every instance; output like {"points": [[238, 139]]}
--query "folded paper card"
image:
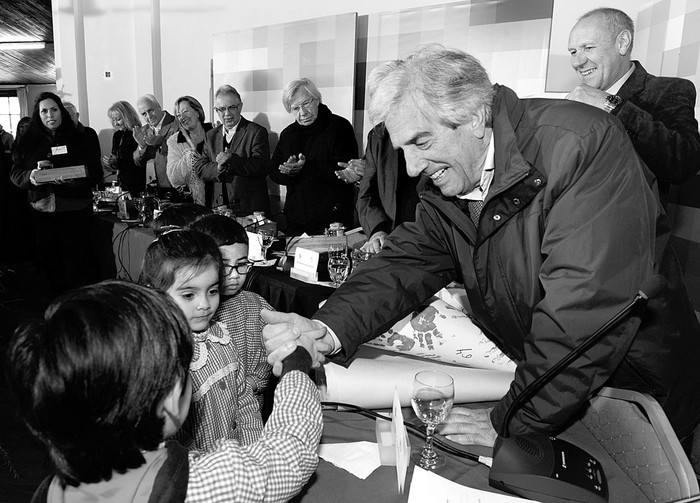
{"points": [[401, 445]]}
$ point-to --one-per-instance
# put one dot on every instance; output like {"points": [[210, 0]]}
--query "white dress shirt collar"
{"points": [[480, 192], [615, 88]]}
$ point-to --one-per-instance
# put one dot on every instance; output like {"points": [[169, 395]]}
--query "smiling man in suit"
{"points": [[657, 112], [237, 154]]}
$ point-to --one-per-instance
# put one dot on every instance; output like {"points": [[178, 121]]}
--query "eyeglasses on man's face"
{"points": [[306, 105], [230, 109], [242, 268]]}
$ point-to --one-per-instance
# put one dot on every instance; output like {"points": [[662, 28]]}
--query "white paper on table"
{"points": [[358, 458], [371, 378], [401, 445], [441, 330], [428, 486]]}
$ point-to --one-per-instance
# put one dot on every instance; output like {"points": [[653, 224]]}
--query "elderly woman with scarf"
{"points": [[187, 146], [306, 159]]}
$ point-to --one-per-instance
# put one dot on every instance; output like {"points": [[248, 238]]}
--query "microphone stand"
{"points": [[547, 468]]}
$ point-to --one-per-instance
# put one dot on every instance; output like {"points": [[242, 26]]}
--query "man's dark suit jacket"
{"points": [[380, 190], [247, 170], [659, 116], [159, 153]]}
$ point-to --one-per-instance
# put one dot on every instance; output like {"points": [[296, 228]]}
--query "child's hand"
{"points": [[285, 331]]}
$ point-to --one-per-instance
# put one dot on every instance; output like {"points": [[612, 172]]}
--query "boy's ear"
{"points": [[174, 407]]}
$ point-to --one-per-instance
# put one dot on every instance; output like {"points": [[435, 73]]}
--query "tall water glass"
{"points": [[432, 399]]}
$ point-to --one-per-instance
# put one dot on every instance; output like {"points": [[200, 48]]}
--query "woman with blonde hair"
{"points": [[124, 119]]}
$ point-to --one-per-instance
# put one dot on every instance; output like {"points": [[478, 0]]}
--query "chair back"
{"points": [[634, 430]]}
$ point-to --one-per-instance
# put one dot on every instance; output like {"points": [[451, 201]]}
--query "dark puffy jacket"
{"points": [[570, 230]]}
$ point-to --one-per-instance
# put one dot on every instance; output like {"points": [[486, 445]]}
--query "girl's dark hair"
{"points": [[178, 215], [177, 250], [89, 377], [224, 230]]}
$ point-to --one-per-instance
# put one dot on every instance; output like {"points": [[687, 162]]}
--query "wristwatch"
{"points": [[612, 101]]}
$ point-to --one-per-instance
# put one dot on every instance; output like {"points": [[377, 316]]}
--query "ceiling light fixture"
{"points": [[18, 46]]}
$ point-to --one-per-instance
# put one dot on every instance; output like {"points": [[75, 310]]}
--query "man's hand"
{"points": [[375, 243], [293, 165], [153, 139], [285, 331], [222, 158], [353, 171], [469, 427], [588, 95], [140, 136]]}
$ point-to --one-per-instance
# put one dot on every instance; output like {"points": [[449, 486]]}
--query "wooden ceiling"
{"points": [[20, 21]]}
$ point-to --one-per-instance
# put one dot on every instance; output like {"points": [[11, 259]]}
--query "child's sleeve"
{"points": [[261, 369], [249, 423]]}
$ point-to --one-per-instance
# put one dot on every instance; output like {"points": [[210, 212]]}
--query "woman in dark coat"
{"points": [[131, 176], [61, 209], [306, 159]]}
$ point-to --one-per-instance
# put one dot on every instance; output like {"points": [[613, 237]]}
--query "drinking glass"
{"points": [[432, 399], [266, 236], [338, 248], [338, 268]]}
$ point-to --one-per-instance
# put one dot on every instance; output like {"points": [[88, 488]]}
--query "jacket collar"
{"points": [[635, 84], [514, 176], [509, 164], [218, 133]]}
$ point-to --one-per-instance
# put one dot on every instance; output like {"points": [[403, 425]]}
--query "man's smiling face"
{"points": [[452, 158], [596, 53]]}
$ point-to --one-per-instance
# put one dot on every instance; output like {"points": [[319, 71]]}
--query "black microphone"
{"points": [[543, 467]]}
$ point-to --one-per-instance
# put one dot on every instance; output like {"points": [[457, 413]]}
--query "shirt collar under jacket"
{"points": [[159, 126], [480, 192], [615, 88], [228, 135]]}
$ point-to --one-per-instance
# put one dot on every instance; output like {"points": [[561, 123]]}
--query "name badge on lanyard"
{"points": [[61, 149]]}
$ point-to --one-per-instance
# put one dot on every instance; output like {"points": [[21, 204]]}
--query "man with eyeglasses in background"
{"points": [[152, 137], [236, 156]]}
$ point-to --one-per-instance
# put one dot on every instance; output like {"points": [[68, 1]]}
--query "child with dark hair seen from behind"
{"points": [[240, 309], [178, 216], [134, 342], [187, 265]]}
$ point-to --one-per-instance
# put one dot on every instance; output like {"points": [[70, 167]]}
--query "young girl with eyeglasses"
{"points": [[240, 309], [188, 266]]}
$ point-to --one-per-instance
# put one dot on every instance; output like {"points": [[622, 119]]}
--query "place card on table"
{"points": [[401, 444]]}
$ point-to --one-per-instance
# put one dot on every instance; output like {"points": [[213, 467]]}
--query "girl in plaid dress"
{"points": [[188, 266], [240, 309]]}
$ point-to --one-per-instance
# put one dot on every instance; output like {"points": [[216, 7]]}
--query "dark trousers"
{"points": [[63, 248]]}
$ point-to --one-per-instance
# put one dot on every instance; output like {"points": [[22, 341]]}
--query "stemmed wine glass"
{"points": [[338, 263], [266, 236], [432, 399]]}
